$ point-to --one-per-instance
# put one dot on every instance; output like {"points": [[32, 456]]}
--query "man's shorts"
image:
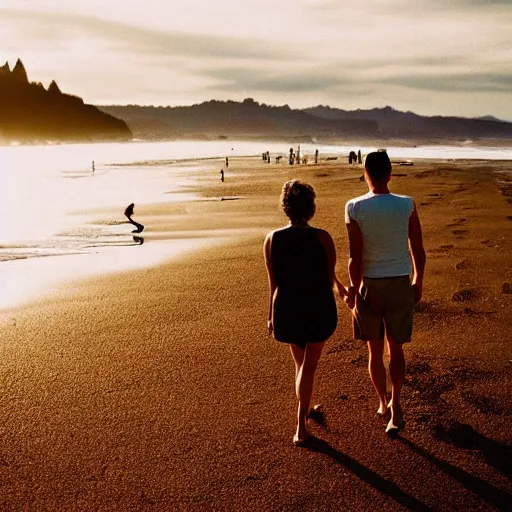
{"points": [[384, 306]]}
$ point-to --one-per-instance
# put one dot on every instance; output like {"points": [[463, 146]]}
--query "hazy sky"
{"points": [[449, 57]]}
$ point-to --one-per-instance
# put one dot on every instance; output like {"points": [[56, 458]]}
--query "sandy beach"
{"points": [[157, 387]]}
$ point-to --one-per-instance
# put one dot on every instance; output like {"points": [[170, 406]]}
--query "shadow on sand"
{"points": [[367, 475], [492, 495]]}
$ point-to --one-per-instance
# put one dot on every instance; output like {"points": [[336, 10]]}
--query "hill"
{"points": [[395, 124], [31, 113], [214, 119]]}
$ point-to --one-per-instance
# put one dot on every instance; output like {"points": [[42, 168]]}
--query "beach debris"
{"points": [[128, 213], [402, 162], [506, 288]]}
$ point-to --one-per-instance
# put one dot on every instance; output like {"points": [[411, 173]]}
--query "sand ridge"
{"points": [[158, 389]]}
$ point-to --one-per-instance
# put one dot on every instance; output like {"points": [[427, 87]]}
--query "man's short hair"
{"points": [[378, 166]]}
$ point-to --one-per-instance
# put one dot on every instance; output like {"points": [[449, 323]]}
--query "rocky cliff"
{"points": [[30, 113]]}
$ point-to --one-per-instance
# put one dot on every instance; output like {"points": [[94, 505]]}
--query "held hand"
{"points": [[339, 288], [418, 292], [351, 297], [270, 327]]}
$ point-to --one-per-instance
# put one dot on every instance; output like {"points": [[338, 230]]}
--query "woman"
{"points": [[300, 262]]}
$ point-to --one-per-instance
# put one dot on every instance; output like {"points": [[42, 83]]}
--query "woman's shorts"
{"points": [[384, 306]]}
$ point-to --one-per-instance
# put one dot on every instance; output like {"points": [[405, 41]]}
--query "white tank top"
{"points": [[384, 223]]}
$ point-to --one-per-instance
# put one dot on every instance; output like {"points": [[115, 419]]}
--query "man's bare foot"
{"points": [[302, 439], [396, 423], [302, 434]]}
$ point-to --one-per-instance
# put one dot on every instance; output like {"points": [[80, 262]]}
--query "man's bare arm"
{"points": [[418, 255], [355, 261]]}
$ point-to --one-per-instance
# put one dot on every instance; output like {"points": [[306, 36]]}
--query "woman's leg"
{"points": [[304, 388], [397, 376], [298, 358], [377, 372]]}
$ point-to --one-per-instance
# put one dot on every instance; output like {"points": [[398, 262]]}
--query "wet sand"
{"points": [[158, 388]]}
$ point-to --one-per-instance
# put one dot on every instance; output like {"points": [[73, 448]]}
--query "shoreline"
{"points": [[164, 245]]}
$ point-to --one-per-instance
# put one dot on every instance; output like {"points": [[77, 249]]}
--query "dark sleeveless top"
{"points": [[304, 306]]}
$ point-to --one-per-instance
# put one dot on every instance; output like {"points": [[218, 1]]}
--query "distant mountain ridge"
{"points": [[31, 113], [214, 119], [249, 118], [393, 123]]}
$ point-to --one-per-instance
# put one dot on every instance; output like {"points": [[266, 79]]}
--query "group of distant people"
{"points": [[386, 267]]}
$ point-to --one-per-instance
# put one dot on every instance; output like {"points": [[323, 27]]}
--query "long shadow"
{"points": [[496, 497], [461, 435], [367, 475]]}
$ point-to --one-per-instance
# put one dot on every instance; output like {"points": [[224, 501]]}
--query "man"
{"points": [[384, 236]]}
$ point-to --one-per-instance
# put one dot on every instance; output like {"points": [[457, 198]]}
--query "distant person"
{"points": [[222, 175], [300, 261], [316, 156], [386, 250], [359, 158], [93, 168], [227, 162], [291, 159], [129, 212]]}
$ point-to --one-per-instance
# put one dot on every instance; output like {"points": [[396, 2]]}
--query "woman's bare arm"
{"points": [[271, 279]]}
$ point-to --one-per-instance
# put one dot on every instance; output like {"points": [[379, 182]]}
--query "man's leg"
{"points": [[397, 375], [304, 388], [377, 372]]}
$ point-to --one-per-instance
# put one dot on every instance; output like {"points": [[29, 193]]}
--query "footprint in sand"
{"points": [[473, 312], [463, 265], [460, 232], [424, 204], [509, 217], [457, 222], [464, 295], [484, 404]]}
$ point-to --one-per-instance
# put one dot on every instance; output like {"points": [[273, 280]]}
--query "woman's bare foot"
{"points": [[317, 414], [383, 409]]}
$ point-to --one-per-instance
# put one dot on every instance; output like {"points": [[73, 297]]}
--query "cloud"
{"points": [[456, 83], [55, 29]]}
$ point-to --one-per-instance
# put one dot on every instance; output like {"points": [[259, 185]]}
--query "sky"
{"points": [[431, 57]]}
